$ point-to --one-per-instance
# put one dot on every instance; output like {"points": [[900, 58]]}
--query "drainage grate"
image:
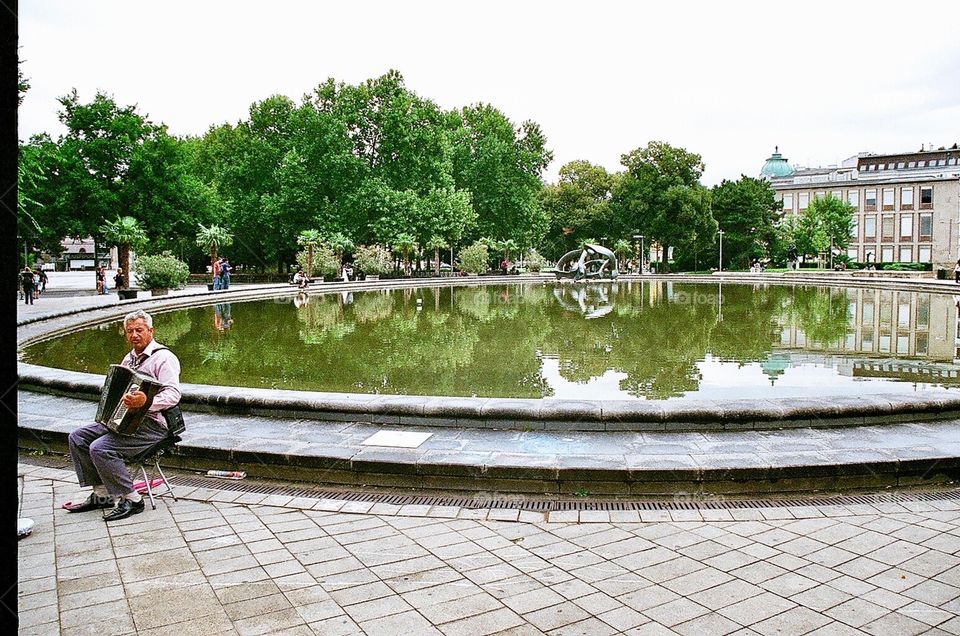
{"points": [[521, 502], [685, 501]]}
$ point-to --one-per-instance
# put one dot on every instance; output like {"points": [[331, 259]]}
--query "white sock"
{"points": [[133, 496], [100, 491]]}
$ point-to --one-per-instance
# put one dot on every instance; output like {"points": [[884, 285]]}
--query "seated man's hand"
{"points": [[134, 399]]}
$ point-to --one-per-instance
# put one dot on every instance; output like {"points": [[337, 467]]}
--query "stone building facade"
{"points": [[906, 205]]}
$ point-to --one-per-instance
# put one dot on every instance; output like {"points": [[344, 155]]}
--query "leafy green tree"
{"points": [[577, 206], [310, 239], [747, 210], [340, 243], [126, 233], [501, 166], [660, 195], [831, 219]]}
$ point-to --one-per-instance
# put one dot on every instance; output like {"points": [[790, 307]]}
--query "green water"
{"points": [[649, 340]]}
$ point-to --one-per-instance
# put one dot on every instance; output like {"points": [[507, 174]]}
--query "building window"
{"points": [[837, 194], [788, 203], [802, 200], [942, 162], [926, 227], [912, 164], [906, 198], [900, 165], [906, 227], [853, 253], [819, 195], [854, 228], [853, 198], [870, 200], [888, 198], [870, 227], [924, 254], [886, 254], [921, 164], [926, 197], [906, 254], [887, 228]]}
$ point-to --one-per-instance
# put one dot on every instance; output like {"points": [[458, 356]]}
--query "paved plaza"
{"points": [[227, 561], [222, 562]]}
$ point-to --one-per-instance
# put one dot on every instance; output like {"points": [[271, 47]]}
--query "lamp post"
{"points": [[639, 237], [721, 249]]}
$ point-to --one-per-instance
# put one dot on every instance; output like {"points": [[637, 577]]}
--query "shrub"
{"points": [[535, 261], [373, 259], [161, 271], [473, 259], [325, 262]]}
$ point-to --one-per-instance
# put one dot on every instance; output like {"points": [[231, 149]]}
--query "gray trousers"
{"points": [[98, 455]]}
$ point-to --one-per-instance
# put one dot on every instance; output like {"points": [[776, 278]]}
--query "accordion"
{"points": [[111, 412]]}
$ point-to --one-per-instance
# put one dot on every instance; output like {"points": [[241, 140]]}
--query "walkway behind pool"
{"points": [[219, 562]]}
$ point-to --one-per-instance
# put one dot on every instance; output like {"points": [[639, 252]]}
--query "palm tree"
{"points": [[404, 243], [437, 243], [339, 243], [310, 239], [621, 248], [125, 233], [212, 239]]}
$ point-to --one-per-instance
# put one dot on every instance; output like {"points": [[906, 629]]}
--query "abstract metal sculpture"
{"points": [[592, 262]]}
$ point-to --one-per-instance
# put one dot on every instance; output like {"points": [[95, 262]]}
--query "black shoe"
{"points": [[93, 502], [124, 509]]}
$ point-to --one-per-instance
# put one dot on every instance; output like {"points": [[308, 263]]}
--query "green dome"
{"points": [[776, 166]]}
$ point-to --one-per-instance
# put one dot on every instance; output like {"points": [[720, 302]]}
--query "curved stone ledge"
{"points": [[529, 414], [497, 413]]}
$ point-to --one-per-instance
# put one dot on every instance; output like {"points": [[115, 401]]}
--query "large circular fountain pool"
{"points": [[642, 340]]}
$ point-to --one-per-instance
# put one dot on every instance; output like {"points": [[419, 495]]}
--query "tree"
{"points": [[340, 243], [310, 239], [404, 243], [501, 166], [102, 137], [577, 206], [212, 238], [436, 243], [660, 194], [747, 210], [125, 232], [825, 225]]}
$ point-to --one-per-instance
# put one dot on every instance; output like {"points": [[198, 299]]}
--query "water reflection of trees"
{"points": [[482, 340]]}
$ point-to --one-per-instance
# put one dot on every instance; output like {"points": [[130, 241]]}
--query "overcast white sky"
{"points": [[728, 80]]}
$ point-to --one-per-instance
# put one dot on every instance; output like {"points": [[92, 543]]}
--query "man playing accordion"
{"points": [[98, 453]]}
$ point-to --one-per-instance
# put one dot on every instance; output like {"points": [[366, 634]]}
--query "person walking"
{"points": [[43, 281], [956, 272], [26, 281], [225, 274]]}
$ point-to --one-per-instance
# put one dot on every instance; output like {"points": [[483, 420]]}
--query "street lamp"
{"points": [[639, 237], [721, 249]]}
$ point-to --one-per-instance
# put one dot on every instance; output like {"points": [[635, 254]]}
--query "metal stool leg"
{"points": [[165, 481], [146, 480]]}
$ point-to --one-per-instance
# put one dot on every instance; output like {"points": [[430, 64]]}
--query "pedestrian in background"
{"points": [[216, 274], [26, 280], [225, 274]]}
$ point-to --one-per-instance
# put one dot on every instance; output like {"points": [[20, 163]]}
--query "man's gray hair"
{"points": [[138, 315]]}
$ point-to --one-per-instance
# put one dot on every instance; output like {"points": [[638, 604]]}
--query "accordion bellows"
{"points": [[111, 412]]}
